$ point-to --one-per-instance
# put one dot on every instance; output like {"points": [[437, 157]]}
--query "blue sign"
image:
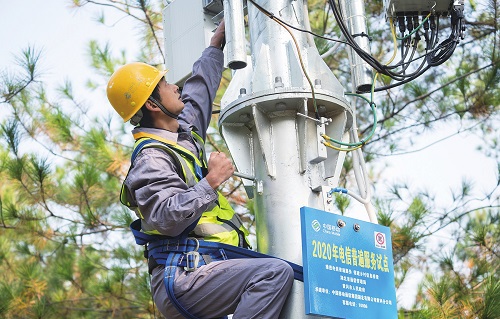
{"points": [[348, 267]]}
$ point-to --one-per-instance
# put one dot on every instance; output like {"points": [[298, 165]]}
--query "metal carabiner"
{"points": [[193, 257]]}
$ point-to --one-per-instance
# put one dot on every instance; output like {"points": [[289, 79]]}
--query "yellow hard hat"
{"points": [[130, 87]]}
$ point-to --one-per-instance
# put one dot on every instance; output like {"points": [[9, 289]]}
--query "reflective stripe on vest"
{"points": [[219, 223]]}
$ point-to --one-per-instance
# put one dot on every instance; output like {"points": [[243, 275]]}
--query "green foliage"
{"points": [[61, 179], [465, 284], [341, 202]]}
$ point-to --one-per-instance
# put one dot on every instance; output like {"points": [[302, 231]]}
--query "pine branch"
{"points": [[212, 142], [425, 124], [37, 140], [455, 219], [422, 97], [460, 131], [118, 5], [29, 63], [152, 27]]}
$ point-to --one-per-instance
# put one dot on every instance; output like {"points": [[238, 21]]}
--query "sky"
{"points": [[63, 35]]}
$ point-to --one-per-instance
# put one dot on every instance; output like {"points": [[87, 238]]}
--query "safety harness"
{"points": [[184, 250]]}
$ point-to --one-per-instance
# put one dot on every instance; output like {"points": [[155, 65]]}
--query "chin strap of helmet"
{"points": [[162, 108]]}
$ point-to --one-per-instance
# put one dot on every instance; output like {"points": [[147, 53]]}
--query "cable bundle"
{"points": [[435, 54]]}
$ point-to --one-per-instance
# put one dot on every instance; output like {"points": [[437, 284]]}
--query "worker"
{"points": [[174, 192]]}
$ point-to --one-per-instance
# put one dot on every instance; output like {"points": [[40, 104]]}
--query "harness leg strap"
{"points": [[170, 269]]}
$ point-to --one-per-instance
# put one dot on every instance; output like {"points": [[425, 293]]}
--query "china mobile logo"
{"points": [[316, 225]]}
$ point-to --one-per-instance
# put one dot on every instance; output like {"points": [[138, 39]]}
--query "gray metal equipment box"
{"points": [[397, 8], [187, 29]]}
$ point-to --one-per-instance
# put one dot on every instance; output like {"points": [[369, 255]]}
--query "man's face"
{"points": [[170, 96]]}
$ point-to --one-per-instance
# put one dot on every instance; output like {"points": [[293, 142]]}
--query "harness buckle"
{"points": [[192, 257], [171, 245]]}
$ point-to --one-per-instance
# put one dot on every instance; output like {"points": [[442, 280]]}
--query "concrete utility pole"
{"points": [[270, 124]]}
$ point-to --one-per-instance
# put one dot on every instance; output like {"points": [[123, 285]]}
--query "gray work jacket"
{"points": [[164, 199]]}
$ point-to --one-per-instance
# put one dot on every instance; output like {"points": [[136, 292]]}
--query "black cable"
{"points": [[433, 57], [403, 53], [386, 87], [413, 51], [366, 57], [404, 66]]}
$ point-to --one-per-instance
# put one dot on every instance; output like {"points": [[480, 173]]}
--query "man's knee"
{"points": [[283, 271]]}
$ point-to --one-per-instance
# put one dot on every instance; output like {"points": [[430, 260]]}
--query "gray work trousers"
{"points": [[246, 288]]}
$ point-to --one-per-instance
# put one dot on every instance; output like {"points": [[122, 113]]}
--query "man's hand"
{"points": [[220, 168], [219, 36]]}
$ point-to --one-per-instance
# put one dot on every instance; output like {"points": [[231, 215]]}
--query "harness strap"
{"points": [[170, 270], [180, 163], [201, 145], [161, 248], [233, 252], [152, 143], [200, 165], [142, 239]]}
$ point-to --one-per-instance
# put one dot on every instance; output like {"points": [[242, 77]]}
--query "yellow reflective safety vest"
{"points": [[219, 223]]}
